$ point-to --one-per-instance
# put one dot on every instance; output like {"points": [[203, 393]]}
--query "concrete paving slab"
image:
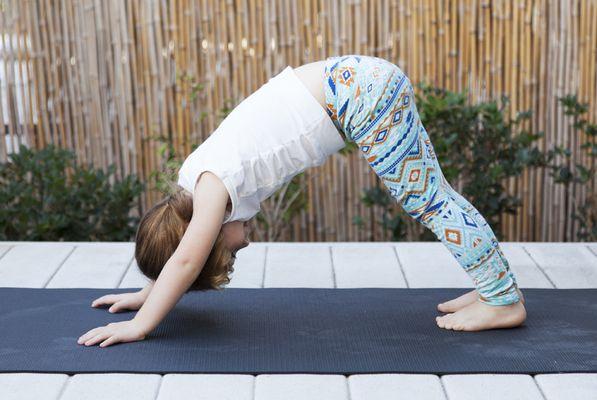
{"points": [[528, 274], [305, 266], [301, 387], [558, 260], [32, 265], [366, 266], [491, 387], [567, 386], [206, 387], [395, 387], [94, 265], [431, 265], [112, 386], [29, 386], [248, 267]]}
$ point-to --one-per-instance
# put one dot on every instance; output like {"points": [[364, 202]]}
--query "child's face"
{"points": [[236, 235]]}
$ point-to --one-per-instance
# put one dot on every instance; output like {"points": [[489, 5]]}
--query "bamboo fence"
{"points": [[102, 77]]}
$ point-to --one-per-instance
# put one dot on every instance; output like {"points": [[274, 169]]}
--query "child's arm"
{"points": [[179, 272], [147, 289]]}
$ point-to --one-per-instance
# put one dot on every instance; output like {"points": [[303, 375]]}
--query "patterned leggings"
{"points": [[372, 102]]}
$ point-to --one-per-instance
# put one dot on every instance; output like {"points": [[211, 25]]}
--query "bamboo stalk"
{"points": [[21, 38], [3, 146]]}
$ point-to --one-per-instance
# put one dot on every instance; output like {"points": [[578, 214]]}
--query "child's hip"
{"points": [[364, 93]]}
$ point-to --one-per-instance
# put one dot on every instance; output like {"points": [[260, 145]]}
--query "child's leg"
{"points": [[372, 102]]}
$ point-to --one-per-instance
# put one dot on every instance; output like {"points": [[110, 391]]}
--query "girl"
{"points": [[295, 121]]}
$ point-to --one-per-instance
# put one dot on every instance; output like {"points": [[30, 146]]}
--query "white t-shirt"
{"points": [[272, 135]]}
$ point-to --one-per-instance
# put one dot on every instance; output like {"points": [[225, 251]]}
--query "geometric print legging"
{"points": [[372, 102]]}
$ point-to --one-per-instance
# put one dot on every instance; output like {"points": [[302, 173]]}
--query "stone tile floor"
{"points": [[326, 265]]}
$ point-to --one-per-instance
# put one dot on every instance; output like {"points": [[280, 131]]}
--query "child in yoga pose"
{"points": [[295, 121]]}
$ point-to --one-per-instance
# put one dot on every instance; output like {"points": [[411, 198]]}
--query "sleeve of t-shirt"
{"points": [[197, 163]]}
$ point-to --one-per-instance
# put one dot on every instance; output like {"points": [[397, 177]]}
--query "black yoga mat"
{"points": [[298, 330]]}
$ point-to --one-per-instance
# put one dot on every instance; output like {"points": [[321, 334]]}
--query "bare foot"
{"points": [[459, 302], [464, 300], [478, 316]]}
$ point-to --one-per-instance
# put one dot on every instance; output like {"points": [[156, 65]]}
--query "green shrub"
{"points": [[40, 203]]}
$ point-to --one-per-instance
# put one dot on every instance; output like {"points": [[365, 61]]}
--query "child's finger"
{"points": [[117, 306], [107, 299], [97, 338], [88, 334], [112, 339], [84, 338], [100, 301], [126, 304]]}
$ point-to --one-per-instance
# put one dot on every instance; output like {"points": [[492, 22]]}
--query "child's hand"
{"points": [[121, 301], [114, 332]]}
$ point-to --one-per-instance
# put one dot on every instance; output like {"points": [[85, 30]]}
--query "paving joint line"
{"points": [[334, 280], [264, 267], [157, 392], [538, 387], [348, 392], [63, 388], [400, 266], [10, 247], [441, 383], [126, 270], [254, 386], [59, 266]]}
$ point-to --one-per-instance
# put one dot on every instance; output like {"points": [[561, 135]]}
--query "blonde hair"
{"points": [[159, 232]]}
